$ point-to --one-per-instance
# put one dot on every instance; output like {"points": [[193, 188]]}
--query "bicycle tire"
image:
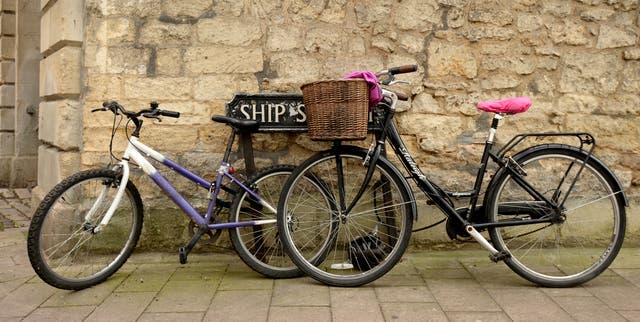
{"points": [[578, 247], [63, 248], [362, 246], [259, 246]]}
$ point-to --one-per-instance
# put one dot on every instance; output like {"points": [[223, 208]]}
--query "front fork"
{"points": [[124, 165]]}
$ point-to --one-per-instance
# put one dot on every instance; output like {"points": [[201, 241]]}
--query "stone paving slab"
{"points": [[413, 312], [300, 313], [239, 305], [15, 208], [355, 304], [122, 306], [297, 292], [528, 304], [71, 313]]}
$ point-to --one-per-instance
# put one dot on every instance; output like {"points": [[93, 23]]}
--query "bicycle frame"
{"points": [[393, 137], [136, 149], [439, 197]]}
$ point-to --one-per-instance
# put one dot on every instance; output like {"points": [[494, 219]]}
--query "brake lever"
{"points": [[151, 116], [387, 80], [399, 82]]}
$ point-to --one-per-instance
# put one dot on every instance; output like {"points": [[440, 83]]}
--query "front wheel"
{"points": [[582, 241], [65, 248], [357, 245]]}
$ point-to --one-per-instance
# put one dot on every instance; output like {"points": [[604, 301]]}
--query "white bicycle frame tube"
{"points": [[130, 153]]}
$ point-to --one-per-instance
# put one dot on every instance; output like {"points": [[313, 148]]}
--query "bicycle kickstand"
{"points": [[184, 251]]}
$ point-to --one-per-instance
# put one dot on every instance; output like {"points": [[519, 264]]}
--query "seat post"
{"points": [[494, 126], [227, 151], [246, 146], [483, 164]]}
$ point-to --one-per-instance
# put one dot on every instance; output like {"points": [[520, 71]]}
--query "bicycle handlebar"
{"points": [[389, 80], [153, 112]]}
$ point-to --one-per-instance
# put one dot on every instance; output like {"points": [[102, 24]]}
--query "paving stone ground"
{"points": [[458, 285]]}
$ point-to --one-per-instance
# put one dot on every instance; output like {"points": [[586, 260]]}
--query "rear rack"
{"points": [[583, 137]]}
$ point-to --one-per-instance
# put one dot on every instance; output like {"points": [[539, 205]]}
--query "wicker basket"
{"points": [[337, 109]]}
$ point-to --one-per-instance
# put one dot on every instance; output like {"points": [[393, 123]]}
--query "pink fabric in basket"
{"points": [[375, 94]]}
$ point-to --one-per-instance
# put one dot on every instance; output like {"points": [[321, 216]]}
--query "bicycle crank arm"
{"points": [[494, 254]]}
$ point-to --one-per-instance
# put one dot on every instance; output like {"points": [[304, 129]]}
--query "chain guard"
{"points": [[455, 229]]}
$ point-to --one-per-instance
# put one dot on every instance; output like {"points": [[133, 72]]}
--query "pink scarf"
{"points": [[375, 94]]}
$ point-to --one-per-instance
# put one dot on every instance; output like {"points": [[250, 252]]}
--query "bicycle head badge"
{"points": [[366, 252]]}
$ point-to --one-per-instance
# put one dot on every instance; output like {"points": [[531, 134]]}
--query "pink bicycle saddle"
{"points": [[508, 105]]}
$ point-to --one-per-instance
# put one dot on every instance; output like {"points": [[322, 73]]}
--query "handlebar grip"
{"points": [[403, 69], [169, 113], [402, 97]]}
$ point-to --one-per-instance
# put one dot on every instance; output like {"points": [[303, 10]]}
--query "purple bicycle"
{"points": [[87, 226]]}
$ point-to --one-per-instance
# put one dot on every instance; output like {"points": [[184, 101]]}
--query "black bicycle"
{"points": [[555, 214]]}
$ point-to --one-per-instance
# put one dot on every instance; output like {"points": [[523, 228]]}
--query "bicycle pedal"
{"points": [[500, 256], [182, 253]]}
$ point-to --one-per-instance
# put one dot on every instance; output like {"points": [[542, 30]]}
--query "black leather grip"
{"points": [[170, 113], [402, 97], [403, 69]]}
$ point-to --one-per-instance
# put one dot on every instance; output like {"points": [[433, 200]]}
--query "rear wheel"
{"points": [[584, 239], [65, 248], [259, 246]]}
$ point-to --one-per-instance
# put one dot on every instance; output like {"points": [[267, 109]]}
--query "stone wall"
{"points": [[60, 88], [579, 61], [7, 89], [19, 56]]}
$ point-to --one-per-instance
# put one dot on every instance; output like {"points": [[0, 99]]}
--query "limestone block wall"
{"points": [[7, 89], [578, 60], [19, 34], [25, 162], [60, 115]]}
